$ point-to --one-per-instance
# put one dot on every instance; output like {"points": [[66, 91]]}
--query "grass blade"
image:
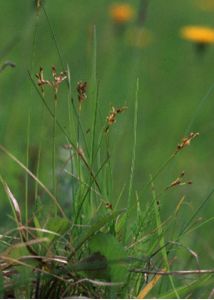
{"points": [[161, 236], [133, 157]]}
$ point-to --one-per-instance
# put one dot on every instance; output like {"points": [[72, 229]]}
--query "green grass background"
{"points": [[174, 79]]}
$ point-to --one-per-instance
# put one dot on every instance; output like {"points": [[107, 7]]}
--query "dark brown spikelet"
{"points": [[81, 90], [111, 118], [41, 81], [179, 181], [58, 79], [109, 205], [54, 84], [187, 140]]}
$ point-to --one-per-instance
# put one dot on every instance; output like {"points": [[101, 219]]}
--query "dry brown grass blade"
{"points": [[211, 295], [12, 262], [57, 259], [28, 243], [174, 273], [20, 227], [24, 228], [97, 282], [13, 201], [42, 230], [149, 286], [179, 205], [4, 150]]}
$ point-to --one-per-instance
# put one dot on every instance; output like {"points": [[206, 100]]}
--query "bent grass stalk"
{"points": [[5, 151]]}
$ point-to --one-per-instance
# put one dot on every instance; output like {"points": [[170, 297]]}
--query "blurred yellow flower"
{"points": [[198, 34], [121, 13]]}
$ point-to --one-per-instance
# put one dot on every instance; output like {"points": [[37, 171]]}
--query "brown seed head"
{"points": [[111, 118], [187, 140], [41, 81], [81, 90], [179, 181], [58, 79]]}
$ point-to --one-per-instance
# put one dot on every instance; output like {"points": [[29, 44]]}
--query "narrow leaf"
{"points": [[13, 201]]}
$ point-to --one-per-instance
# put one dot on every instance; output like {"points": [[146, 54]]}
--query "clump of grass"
{"points": [[87, 246]]}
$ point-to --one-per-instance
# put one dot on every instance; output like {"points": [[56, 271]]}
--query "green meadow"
{"points": [[106, 165]]}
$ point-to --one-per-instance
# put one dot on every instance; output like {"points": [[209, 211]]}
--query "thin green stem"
{"points": [[159, 171], [198, 108], [94, 96], [162, 242], [75, 148], [54, 38], [26, 175], [187, 225], [133, 158], [89, 190], [54, 149], [39, 155]]}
